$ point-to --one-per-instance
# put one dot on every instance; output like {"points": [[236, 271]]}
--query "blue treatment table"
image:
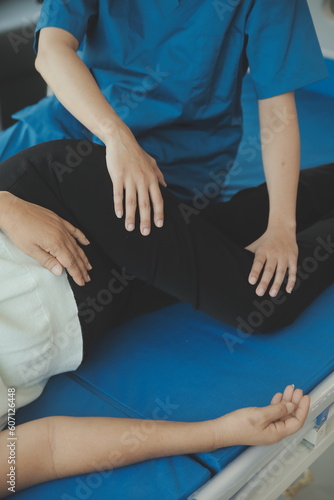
{"points": [[180, 364]]}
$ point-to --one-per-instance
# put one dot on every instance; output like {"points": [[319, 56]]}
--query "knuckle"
{"points": [[72, 262], [158, 204], [55, 247], [47, 262], [141, 177], [144, 205], [257, 269], [255, 417], [131, 201], [118, 196]]}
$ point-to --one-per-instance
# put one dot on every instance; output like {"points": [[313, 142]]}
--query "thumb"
{"points": [[57, 269], [48, 261], [278, 411]]}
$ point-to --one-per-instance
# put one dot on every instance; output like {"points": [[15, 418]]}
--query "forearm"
{"points": [[58, 447], [281, 157], [74, 86]]}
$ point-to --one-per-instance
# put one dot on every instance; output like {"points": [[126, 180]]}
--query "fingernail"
{"points": [[146, 231], [119, 214], [273, 293], [57, 270], [88, 278], [293, 385], [90, 267], [87, 241], [252, 280], [289, 290], [159, 223], [260, 291], [290, 407], [130, 227]]}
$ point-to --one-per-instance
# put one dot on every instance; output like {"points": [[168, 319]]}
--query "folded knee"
{"points": [[263, 315]]}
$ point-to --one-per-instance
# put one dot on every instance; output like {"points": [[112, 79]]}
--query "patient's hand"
{"points": [[262, 426], [47, 238]]}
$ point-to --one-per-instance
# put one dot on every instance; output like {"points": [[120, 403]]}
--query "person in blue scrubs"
{"points": [[159, 83]]}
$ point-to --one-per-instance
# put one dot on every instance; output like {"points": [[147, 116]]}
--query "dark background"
{"points": [[20, 84]]}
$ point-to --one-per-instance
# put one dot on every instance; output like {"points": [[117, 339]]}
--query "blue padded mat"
{"points": [[167, 479], [196, 368]]}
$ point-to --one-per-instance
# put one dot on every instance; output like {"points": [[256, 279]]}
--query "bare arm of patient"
{"points": [[57, 447]]}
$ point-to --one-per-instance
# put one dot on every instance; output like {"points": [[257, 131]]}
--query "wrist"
{"points": [[223, 433], [113, 129], [287, 224]]}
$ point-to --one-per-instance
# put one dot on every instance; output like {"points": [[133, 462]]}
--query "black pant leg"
{"points": [[194, 262], [206, 273], [245, 217]]}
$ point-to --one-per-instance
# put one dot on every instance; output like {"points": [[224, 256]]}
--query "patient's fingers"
{"points": [[296, 421], [77, 251], [303, 409], [288, 392], [78, 260], [70, 258], [297, 396], [76, 233], [277, 398], [47, 260]]}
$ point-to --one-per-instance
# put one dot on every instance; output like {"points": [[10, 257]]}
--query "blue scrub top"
{"points": [[173, 70]]}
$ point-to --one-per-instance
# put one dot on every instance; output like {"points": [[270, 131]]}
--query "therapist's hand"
{"points": [[45, 237], [276, 252], [136, 177]]}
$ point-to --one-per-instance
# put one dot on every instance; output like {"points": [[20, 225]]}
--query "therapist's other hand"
{"points": [[276, 252], [45, 237], [136, 177], [266, 425]]}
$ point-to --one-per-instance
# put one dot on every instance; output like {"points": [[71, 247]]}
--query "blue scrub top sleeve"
{"points": [[283, 50], [70, 15]]}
